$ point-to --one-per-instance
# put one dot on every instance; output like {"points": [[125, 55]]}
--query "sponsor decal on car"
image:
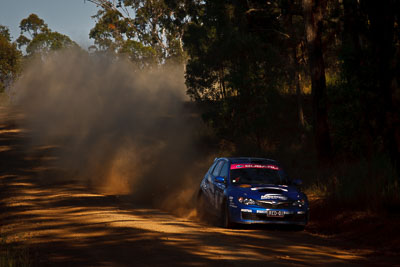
{"points": [[231, 203], [261, 211], [272, 196], [245, 210], [269, 187], [253, 166]]}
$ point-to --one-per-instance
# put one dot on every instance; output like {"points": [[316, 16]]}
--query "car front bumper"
{"points": [[249, 215]]}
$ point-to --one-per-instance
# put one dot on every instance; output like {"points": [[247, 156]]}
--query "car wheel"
{"points": [[299, 228], [200, 206], [226, 218]]}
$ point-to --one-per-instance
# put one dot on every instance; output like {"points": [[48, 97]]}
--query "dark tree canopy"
{"points": [[246, 58], [267, 75]]}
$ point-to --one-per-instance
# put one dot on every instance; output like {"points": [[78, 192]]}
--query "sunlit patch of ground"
{"points": [[8, 131], [45, 147], [5, 148], [48, 158]]}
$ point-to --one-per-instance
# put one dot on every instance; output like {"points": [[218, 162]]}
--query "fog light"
{"points": [[299, 203], [246, 201]]}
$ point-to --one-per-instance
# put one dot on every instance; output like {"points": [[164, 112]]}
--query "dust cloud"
{"points": [[119, 129]]}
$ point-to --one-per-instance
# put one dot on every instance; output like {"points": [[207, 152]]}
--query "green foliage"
{"points": [[347, 121], [10, 59], [247, 57], [237, 61], [23, 41], [363, 98], [33, 25], [151, 36], [136, 52], [49, 41], [5, 33], [43, 40]]}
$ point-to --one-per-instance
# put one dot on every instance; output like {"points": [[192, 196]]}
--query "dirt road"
{"points": [[67, 224]]}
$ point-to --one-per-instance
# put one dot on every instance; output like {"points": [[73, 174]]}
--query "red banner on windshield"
{"points": [[253, 166]]}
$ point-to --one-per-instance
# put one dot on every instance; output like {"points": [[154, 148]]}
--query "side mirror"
{"points": [[219, 179], [297, 182]]}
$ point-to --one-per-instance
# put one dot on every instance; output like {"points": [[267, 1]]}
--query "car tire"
{"points": [[226, 221], [200, 206], [299, 228]]}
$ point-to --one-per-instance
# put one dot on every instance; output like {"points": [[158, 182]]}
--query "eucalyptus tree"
{"points": [[147, 31], [10, 59], [40, 38], [238, 61]]}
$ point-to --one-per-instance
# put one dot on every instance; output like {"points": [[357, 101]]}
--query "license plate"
{"points": [[275, 213]]}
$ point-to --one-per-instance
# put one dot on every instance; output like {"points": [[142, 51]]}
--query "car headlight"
{"points": [[299, 203], [246, 201]]}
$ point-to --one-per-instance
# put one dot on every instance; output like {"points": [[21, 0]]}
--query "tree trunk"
{"points": [[351, 38], [222, 82], [299, 100], [313, 12], [382, 17], [295, 71]]}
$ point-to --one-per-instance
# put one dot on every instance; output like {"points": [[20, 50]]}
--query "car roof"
{"points": [[249, 160]]}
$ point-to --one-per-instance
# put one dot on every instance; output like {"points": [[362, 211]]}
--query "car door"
{"points": [[206, 185], [220, 187], [213, 184]]}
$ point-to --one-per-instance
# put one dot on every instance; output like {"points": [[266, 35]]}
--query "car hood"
{"points": [[279, 193]]}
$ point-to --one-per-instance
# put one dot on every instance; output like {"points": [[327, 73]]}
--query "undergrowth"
{"points": [[370, 185], [14, 254]]}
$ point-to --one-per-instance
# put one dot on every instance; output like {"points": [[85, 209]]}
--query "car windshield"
{"points": [[256, 174]]}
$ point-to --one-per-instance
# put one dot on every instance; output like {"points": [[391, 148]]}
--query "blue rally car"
{"points": [[251, 190]]}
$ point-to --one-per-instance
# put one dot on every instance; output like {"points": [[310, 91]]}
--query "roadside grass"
{"points": [[370, 185], [14, 254], [359, 201]]}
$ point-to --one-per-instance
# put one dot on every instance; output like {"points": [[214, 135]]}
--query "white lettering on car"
{"points": [[270, 196], [245, 210]]}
